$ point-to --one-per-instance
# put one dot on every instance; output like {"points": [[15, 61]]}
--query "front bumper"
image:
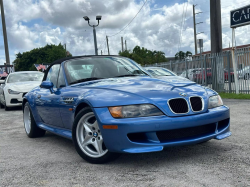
{"points": [[13, 100], [119, 140]]}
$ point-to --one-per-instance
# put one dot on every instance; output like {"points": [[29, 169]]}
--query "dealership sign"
{"points": [[6, 69], [240, 16]]}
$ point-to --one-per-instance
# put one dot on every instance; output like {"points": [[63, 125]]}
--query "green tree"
{"points": [[181, 55], [46, 55], [144, 56]]}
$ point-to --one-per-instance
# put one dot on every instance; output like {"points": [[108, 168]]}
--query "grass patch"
{"points": [[234, 96]]}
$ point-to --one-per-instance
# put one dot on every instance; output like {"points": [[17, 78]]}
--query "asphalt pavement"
{"points": [[53, 161]]}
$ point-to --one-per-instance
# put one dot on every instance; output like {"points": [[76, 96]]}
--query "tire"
{"points": [[86, 131], [5, 106], [1, 105], [31, 129], [246, 77]]}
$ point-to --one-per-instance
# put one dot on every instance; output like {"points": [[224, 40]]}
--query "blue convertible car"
{"points": [[109, 105]]}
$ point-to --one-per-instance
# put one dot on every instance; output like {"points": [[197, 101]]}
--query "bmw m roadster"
{"points": [[109, 105]]}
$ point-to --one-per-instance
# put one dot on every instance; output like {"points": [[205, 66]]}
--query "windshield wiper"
{"points": [[129, 75], [87, 79]]}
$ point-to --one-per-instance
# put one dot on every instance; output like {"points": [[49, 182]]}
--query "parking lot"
{"points": [[53, 161]]}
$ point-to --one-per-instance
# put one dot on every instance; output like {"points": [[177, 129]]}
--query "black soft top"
{"points": [[59, 61]]}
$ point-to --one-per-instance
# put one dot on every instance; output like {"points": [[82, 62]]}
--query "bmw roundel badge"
{"points": [[183, 94]]}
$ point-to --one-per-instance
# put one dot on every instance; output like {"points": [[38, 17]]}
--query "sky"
{"points": [[162, 25]]}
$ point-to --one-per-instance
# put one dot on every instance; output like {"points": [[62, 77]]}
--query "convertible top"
{"points": [[59, 61]]}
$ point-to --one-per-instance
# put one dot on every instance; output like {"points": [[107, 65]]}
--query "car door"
{"points": [[48, 101]]}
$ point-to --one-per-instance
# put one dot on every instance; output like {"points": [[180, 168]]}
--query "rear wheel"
{"points": [[88, 139], [246, 77], [31, 129]]}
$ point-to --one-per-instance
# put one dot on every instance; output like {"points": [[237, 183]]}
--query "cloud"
{"points": [[2, 60], [34, 23]]}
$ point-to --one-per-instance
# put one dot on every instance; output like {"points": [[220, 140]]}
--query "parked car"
{"points": [[119, 108], [244, 73], [16, 85], [190, 74], [2, 78], [226, 75], [159, 71], [199, 73]]}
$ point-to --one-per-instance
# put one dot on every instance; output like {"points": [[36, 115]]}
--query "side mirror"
{"points": [[47, 85]]}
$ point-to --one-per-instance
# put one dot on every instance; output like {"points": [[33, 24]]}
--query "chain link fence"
{"points": [[215, 70]]}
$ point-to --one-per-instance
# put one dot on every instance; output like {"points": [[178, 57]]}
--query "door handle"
{"points": [[38, 96]]}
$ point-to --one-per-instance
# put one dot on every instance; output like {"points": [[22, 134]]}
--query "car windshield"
{"points": [[22, 77], [160, 72], [92, 68]]}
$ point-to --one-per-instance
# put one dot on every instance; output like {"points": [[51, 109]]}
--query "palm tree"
{"points": [[180, 55]]}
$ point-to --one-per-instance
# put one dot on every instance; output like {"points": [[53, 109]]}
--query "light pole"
{"points": [[98, 18], [7, 56]]}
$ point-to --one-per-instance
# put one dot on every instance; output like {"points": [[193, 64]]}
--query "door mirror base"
{"points": [[47, 85]]}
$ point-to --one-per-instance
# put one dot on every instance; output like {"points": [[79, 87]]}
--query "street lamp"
{"points": [[98, 18]]}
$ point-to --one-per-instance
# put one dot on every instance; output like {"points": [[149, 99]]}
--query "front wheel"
{"points": [[88, 139], [1, 105], [5, 105], [31, 129]]}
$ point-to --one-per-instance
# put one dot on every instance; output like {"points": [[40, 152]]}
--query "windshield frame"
{"points": [[64, 64]]}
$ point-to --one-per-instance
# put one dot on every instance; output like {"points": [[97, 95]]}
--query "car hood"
{"points": [[175, 79], [136, 90], [23, 86]]}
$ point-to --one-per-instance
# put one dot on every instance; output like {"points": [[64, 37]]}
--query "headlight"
{"points": [[133, 111], [13, 92], [215, 101]]}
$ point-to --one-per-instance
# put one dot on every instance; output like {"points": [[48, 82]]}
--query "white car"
{"points": [[244, 73], [16, 85], [190, 74]]}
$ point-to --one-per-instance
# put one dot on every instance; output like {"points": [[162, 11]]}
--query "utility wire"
{"points": [[102, 44], [228, 6], [183, 24], [130, 21]]}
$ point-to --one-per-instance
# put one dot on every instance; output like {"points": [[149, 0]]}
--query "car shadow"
{"points": [[170, 155], [17, 108], [167, 156]]}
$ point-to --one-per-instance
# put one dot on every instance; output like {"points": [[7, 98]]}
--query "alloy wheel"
{"points": [[89, 137], [27, 119]]}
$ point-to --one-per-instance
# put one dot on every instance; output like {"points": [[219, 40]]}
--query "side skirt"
{"points": [[58, 131]]}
